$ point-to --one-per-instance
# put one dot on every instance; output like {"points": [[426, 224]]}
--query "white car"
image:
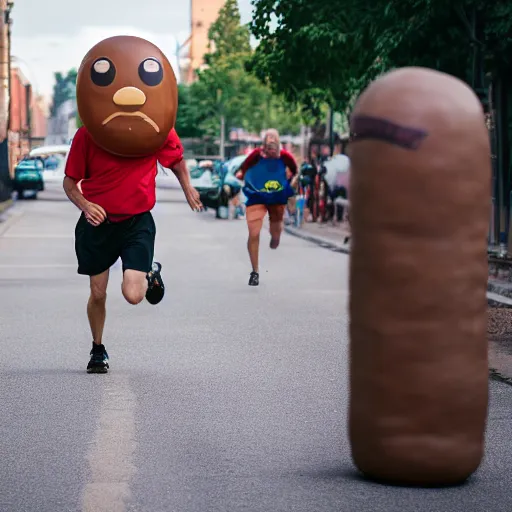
{"points": [[54, 158], [165, 178]]}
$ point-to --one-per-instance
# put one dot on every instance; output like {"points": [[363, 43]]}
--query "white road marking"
{"points": [[111, 455], [39, 235], [42, 265]]}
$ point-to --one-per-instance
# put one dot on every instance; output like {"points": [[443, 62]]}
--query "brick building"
{"points": [[28, 125], [5, 58]]}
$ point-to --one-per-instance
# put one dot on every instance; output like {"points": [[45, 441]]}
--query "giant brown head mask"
{"points": [[127, 96]]}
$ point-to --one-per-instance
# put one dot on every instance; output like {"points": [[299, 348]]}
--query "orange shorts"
{"points": [[257, 212]]}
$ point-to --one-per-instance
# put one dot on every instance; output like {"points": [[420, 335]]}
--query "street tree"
{"points": [[326, 52], [310, 50], [225, 90], [188, 118], [64, 89]]}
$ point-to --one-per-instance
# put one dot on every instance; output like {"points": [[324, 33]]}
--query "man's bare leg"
{"points": [[276, 214], [254, 215], [96, 307], [135, 286], [253, 243], [276, 228], [96, 311]]}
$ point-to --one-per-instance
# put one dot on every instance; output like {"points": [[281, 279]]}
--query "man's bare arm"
{"points": [[191, 194], [252, 159], [94, 213], [181, 172], [74, 194]]}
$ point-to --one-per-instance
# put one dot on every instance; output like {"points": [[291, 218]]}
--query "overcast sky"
{"points": [[54, 35]]}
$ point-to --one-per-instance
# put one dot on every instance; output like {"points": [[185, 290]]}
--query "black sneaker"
{"points": [[156, 288], [254, 280], [99, 360]]}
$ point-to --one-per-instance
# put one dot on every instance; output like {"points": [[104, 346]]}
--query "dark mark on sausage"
{"points": [[367, 127]]}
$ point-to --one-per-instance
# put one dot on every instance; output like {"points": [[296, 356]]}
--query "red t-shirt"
{"points": [[122, 186], [254, 157]]}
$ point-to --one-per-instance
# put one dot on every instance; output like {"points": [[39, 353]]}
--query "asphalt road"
{"points": [[222, 398]]}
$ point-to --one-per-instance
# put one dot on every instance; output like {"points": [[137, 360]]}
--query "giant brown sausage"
{"points": [[420, 195]]}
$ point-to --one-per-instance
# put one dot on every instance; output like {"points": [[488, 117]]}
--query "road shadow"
{"points": [[348, 473], [330, 474]]}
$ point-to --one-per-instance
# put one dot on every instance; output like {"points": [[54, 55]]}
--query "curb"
{"points": [[499, 289], [318, 240], [498, 296], [4, 206], [497, 300], [9, 215]]}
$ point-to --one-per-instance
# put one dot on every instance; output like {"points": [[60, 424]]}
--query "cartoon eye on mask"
{"points": [[103, 72], [151, 72]]}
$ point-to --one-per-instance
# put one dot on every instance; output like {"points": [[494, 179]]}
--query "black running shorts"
{"points": [[99, 247]]}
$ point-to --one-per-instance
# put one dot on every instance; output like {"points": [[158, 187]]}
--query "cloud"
{"points": [[48, 41], [41, 56]]}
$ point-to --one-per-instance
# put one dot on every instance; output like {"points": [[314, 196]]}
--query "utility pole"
{"points": [[331, 130], [222, 144], [222, 137], [28, 106]]}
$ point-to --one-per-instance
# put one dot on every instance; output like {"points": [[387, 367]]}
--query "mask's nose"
{"points": [[129, 97]]}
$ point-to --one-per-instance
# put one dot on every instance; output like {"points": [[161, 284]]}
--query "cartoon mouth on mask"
{"points": [[132, 114]]}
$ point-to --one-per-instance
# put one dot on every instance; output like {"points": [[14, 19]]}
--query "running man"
{"points": [[267, 172], [126, 114]]}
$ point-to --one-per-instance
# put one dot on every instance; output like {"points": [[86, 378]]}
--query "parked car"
{"points": [[207, 177], [165, 178], [54, 161], [216, 182], [232, 167], [28, 177]]}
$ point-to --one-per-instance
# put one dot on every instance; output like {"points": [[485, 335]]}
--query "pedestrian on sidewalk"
{"points": [[127, 100], [267, 188]]}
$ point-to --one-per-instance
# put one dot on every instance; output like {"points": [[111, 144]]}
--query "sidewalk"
{"points": [[5, 205], [334, 237], [329, 236], [499, 296]]}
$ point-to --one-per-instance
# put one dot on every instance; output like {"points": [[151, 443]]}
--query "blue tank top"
{"points": [[266, 183]]}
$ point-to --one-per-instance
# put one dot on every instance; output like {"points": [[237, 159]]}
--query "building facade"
{"points": [[27, 122], [202, 14], [5, 59]]}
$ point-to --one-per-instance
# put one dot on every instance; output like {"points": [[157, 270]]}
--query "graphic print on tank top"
{"points": [[266, 183]]}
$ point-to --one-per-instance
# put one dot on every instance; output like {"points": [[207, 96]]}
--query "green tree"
{"points": [[188, 118], [317, 53], [228, 38], [314, 53], [225, 89], [63, 90]]}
